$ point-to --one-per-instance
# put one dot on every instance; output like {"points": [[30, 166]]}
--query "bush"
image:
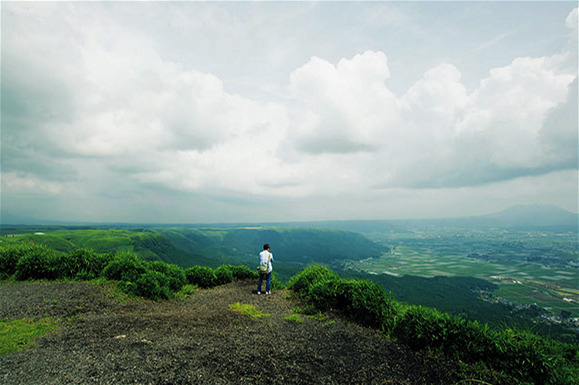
{"points": [[325, 293], [37, 262], [174, 274], [125, 266], [205, 277], [81, 264], [241, 272], [534, 358], [420, 327], [94, 266], [367, 303], [521, 354], [152, 284], [228, 273], [9, 257], [363, 301], [223, 274], [154, 280], [201, 276], [303, 281]]}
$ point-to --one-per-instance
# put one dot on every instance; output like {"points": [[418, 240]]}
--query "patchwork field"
{"points": [[528, 268]]}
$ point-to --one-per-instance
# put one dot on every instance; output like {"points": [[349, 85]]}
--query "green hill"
{"points": [[186, 246], [293, 248], [290, 244], [148, 244]]}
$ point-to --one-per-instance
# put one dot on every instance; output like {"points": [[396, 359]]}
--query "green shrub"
{"points": [[223, 274], [534, 358], [367, 303], [205, 277], [185, 292], [38, 262], [521, 354], [174, 274], [94, 266], [363, 301], [153, 285], [241, 272], [81, 264], [9, 257], [154, 280], [201, 276], [301, 282], [125, 266], [325, 293], [420, 327]]}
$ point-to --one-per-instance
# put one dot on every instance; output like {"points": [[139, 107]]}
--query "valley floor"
{"points": [[199, 341]]}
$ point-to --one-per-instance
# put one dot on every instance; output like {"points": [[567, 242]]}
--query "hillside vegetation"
{"points": [[296, 247], [516, 356], [507, 356], [186, 246]]}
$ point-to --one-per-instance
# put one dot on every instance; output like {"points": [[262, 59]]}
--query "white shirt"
{"points": [[263, 259]]}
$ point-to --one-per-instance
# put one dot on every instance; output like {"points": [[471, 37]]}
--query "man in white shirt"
{"points": [[265, 257]]}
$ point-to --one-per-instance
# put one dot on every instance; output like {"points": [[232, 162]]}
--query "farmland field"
{"points": [[528, 267]]}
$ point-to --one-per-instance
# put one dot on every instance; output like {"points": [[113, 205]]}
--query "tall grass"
{"points": [[9, 257], [38, 262]]}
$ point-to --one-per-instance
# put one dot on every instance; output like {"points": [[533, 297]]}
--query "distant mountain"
{"points": [[535, 216], [519, 217]]}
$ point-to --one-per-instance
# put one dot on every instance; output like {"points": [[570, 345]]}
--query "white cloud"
{"points": [[83, 88], [347, 107], [436, 134]]}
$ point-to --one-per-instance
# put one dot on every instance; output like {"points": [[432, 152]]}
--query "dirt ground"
{"points": [[199, 340]]}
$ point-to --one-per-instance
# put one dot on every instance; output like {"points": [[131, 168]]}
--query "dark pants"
{"points": [[267, 282]]}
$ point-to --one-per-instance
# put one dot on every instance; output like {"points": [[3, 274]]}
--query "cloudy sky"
{"points": [[189, 112]]}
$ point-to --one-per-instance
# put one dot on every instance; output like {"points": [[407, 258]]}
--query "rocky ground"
{"points": [[199, 340]]}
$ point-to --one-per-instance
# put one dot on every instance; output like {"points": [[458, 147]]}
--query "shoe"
{"points": [[268, 292], [259, 292]]}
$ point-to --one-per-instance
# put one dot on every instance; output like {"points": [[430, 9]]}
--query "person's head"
{"points": [[266, 246]]}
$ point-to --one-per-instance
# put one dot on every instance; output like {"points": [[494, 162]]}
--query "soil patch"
{"points": [[200, 341]]}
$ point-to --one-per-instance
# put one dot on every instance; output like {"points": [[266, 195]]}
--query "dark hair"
{"points": [[266, 246]]}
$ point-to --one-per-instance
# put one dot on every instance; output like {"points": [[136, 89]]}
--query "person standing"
{"points": [[265, 257]]}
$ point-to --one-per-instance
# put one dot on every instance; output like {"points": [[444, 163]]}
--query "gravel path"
{"points": [[199, 341]]}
